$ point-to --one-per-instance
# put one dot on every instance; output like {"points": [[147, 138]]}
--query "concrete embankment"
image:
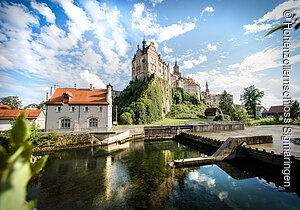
{"points": [[162, 132], [233, 147]]}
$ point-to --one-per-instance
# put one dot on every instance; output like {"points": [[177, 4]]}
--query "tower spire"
{"points": [[144, 45]]}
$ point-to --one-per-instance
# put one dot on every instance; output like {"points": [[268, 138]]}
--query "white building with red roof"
{"points": [[7, 115], [79, 110]]}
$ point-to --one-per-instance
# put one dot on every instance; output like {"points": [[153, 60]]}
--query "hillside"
{"points": [[144, 102]]}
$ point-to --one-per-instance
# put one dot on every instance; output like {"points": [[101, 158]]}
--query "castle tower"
{"points": [[176, 68], [206, 89]]}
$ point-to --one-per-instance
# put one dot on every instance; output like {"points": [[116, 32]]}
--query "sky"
{"points": [[64, 42]]}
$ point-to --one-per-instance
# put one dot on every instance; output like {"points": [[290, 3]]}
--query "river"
{"points": [[136, 175]]}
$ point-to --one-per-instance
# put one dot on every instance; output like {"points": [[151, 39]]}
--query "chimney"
{"points": [[109, 93], [47, 96], [55, 87], [91, 87], [75, 86], [51, 91]]}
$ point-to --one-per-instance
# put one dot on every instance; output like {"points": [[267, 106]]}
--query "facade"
{"points": [[275, 110], [115, 93], [79, 110], [212, 99], [146, 61], [261, 111], [8, 114]]}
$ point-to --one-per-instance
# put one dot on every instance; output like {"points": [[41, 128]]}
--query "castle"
{"points": [[147, 61], [212, 99]]}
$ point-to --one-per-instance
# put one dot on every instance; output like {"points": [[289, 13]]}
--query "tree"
{"points": [[252, 98], [12, 101], [226, 103], [295, 110], [239, 114]]}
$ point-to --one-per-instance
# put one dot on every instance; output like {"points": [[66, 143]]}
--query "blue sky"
{"points": [[65, 42]]}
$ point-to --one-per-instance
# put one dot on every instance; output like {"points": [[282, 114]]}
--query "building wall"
{"points": [[191, 89], [79, 119]]}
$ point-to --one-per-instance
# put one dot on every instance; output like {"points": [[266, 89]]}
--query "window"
{"points": [[58, 109], [100, 109], [86, 109], [93, 122], [65, 123], [72, 109]]}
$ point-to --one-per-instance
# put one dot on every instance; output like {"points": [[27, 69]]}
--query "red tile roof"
{"points": [[6, 114], [4, 106], [79, 96], [275, 109]]}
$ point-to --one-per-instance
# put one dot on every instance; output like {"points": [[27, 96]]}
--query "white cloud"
{"points": [[219, 61], [211, 47], [154, 2], [274, 15], [143, 20], [207, 10], [90, 78], [44, 10], [16, 16], [167, 50], [188, 64]]}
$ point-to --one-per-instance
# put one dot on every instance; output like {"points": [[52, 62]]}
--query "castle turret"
{"points": [[144, 46], [176, 68]]}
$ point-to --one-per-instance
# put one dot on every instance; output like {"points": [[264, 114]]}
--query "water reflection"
{"points": [[136, 175]]}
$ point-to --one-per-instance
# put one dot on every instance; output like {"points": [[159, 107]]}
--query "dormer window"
{"points": [[67, 97]]}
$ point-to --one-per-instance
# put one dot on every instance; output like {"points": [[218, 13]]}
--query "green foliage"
{"points": [[15, 167], [276, 117], [238, 114], [295, 110], [140, 103], [226, 103], [12, 101], [126, 118], [219, 117], [252, 98], [185, 105]]}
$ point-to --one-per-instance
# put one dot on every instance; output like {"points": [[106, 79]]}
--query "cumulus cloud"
{"points": [[208, 10], [90, 78], [190, 63], [145, 21], [154, 2], [263, 24], [167, 50], [44, 10], [92, 42], [211, 47]]}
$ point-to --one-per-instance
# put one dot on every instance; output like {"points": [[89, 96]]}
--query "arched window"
{"points": [[65, 123], [93, 122]]}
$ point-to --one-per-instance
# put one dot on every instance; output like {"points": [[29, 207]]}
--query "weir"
{"points": [[228, 150]]}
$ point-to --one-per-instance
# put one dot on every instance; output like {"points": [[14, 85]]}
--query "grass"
{"points": [[265, 121], [166, 121]]}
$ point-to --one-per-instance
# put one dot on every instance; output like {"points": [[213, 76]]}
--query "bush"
{"points": [[219, 117], [126, 118], [276, 117]]}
